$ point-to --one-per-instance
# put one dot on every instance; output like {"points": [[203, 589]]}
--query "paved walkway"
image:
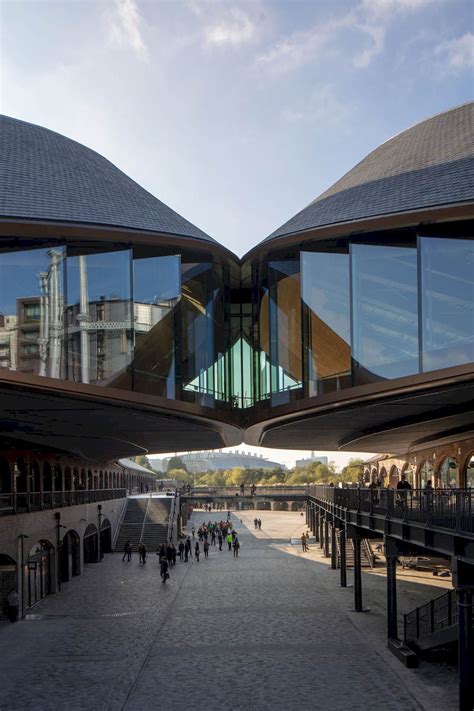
{"points": [[264, 631]]}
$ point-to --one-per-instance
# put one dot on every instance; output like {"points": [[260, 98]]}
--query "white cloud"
{"points": [[458, 53], [235, 28], [321, 108], [124, 24], [372, 18]]}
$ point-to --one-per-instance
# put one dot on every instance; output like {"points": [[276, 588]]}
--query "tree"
{"points": [[181, 475], [144, 462], [353, 471], [176, 463]]}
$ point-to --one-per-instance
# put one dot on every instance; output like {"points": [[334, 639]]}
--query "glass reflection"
{"points": [[326, 301], [384, 312], [32, 311], [157, 292], [447, 288], [99, 315]]}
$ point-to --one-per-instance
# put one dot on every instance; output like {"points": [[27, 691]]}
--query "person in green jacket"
{"points": [[229, 540]]}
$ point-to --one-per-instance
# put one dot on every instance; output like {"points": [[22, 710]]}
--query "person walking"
{"points": [[236, 546], [164, 570], [219, 540], [127, 551], [193, 531], [187, 546], [13, 605], [173, 551], [142, 552], [206, 548], [229, 540], [197, 552], [255, 523], [259, 524], [181, 550], [304, 545]]}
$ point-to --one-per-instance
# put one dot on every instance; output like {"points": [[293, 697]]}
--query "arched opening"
{"points": [[264, 506], [374, 475], [383, 477], [35, 476], [106, 536], [90, 482], [38, 573], [8, 578], [76, 479], [296, 506], [67, 479], [5, 476], [70, 556], [47, 477], [280, 506], [394, 477], [58, 478], [21, 474], [101, 480], [91, 547], [467, 474], [409, 472], [448, 473], [83, 484], [425, 474]]}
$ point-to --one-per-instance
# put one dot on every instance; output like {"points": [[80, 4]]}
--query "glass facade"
{"points": [[201, 328]]}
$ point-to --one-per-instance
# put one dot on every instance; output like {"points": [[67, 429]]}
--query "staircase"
{"points": [[145, 520], [434, 624], [366, 555]]}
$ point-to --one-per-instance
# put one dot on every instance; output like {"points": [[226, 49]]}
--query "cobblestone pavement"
{"points": [[263, 631]]}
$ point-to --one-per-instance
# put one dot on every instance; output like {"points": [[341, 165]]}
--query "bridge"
{"points": [[438, 521], [274, 498]]}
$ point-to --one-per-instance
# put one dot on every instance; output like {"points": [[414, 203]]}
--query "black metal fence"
{"points": [[435, 615], [38, 501], [443, 508]]}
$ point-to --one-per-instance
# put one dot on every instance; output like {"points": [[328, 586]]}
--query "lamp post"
{"points": [[22, 537], [57, 516]]}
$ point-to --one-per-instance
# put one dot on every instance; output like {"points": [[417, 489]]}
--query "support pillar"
{"points": [[342, 546], [357, 577], [463, 575], [333, 547], [391, 557], [321, 531], [316, 524], [326, 537]]}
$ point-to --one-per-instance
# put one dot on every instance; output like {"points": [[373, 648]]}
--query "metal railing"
{"points": [[259, 491], [24, 502], [442, 508], [435, 615]]}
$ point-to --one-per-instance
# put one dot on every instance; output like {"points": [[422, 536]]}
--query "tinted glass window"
{"points": [[384, 312], [326, 301], [447, 288]]}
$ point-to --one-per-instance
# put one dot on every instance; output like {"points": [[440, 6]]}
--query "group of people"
{"points": [[257, 522], [216, 533]]}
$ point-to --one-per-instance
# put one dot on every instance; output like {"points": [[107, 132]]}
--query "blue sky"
{"points": [[236, 114]]}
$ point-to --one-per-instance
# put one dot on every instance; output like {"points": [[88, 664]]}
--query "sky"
{"points": [[235, 114]]}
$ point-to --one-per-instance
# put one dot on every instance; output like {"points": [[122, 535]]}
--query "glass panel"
{"points": [[157, 292], [447, 279], [198, 331], [448, 474], [285, 328], [384, 312], [32, 311], [325, 294], [426, 474], [99, 317], [470, 473]]}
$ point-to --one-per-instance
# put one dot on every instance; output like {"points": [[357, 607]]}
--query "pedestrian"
{"points": [[188, 546], [255, 523], [127, 551], [206, 548], [259, 524], [213, 537], [173, 549], [181, 550], [219, 540], [229, 540], [13, 605], [164, 570], [236, 546], [197, 552], [142, 552], [193, 531], [304, 545], [169, 554]]}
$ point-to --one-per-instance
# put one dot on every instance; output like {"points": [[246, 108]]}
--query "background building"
{"points": [[214, 461]]}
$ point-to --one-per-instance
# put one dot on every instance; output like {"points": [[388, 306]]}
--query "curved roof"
{"points": [[429, 164], [46, 176]]}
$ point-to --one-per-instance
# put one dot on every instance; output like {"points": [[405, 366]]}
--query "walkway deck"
{"points": [[264, 631]]}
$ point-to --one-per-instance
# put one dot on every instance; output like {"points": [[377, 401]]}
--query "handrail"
{"points": [[24, 502], [437, 614], [119, 523], [441, 508], [172, 517], [144, 519]]}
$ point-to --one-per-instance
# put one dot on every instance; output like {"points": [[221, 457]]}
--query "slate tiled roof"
{"points": [[428, 165], [46, 176]]}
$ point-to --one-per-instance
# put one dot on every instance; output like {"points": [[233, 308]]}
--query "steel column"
{"points": [[333, 547], [392, 626], [465, 649], [326, 537], [342, 546], [357, 576]]}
